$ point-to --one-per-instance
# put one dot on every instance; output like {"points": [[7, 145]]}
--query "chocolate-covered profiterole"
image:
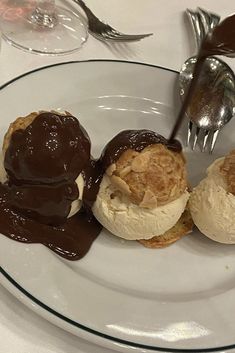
{"points": [[42, 162], [127, 139], [144, 190]]}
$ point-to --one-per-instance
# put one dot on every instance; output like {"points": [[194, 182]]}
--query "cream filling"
{"points": [[132, 222], [77, 204]]}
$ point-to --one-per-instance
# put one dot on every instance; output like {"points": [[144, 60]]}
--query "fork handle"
{"points": [[202, 22], [209, 19], [197, 29], [86, 9]]}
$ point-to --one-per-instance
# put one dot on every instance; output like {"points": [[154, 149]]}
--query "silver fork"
{"points": [[105, 32], [213, 105], [202, 22]]}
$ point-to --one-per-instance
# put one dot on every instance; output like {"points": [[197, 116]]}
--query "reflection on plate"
{"points": [[121, 294]]}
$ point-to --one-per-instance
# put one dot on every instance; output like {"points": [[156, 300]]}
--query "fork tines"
{"points": [[118, 36], [205, 139]]}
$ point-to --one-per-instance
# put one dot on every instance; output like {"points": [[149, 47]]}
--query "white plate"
{"points": [[122, 295]]}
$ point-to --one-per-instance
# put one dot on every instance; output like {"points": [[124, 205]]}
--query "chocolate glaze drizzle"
{"points": [[136, 140], [54, 148]]}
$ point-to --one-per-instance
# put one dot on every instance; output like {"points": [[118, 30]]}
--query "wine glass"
{"points": [[41, 26]]}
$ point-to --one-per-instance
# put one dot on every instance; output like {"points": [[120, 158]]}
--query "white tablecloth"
{"points": [[22, 331]]}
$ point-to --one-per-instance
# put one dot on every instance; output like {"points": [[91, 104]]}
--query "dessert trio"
{"points": [[53, 192]]}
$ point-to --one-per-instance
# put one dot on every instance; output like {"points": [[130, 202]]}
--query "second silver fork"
{"points": [[105, 32]]}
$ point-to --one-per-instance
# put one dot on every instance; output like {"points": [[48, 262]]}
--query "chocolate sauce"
{"points": [[93, 176], [43, 162], [136, 140], [54, 148], [72, 240], [46, 204], [220, 41]]}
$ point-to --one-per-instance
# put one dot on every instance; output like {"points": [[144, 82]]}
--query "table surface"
{"points": [[21, 330]]}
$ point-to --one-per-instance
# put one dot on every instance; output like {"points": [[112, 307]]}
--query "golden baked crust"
{"points": [[152, 177], [18, 124], [181, 228], [228, 170]]}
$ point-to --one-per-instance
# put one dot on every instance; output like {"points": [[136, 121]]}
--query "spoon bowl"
{"points": [[213, 104]]}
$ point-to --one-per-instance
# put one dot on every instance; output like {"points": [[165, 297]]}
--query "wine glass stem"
{"points": [[44, 14]]}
